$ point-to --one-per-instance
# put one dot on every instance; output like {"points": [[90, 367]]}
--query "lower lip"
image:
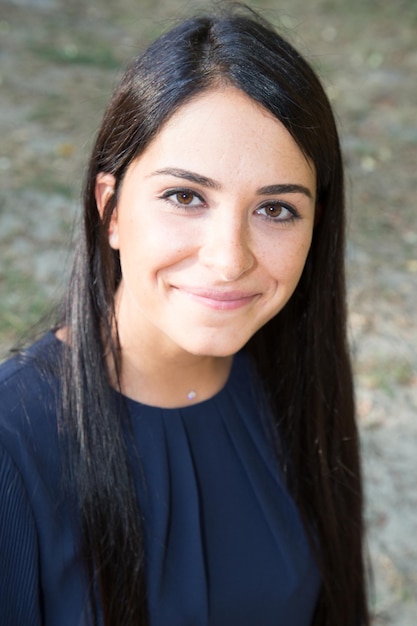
{"points": [[220, 305]]}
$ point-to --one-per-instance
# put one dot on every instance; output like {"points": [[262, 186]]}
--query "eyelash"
{"points": [[293, 213], [170, 193]]}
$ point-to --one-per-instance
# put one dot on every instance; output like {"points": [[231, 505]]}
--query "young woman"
{"points": [[181, 448]]}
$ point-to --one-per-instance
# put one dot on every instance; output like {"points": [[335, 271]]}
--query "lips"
{"points": [[219, 299]]}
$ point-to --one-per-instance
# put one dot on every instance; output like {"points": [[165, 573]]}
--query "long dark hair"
{"points": [[301, 354]]}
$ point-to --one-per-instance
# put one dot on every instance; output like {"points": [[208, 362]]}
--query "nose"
{"points": [[227, 248]]}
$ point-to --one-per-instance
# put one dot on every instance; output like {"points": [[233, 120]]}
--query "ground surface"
{"points": [[58, 63]]}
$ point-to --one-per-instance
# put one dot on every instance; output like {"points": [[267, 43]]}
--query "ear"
{"points": [[104, 189]]}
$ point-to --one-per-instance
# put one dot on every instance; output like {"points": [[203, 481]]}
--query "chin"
{"points": [[218, 349]]}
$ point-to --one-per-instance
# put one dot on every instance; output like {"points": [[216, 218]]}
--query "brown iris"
{"points": [[185, 197], [273, 210]]}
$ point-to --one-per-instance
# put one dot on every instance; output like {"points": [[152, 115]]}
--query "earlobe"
{"points": [[104, 190]]}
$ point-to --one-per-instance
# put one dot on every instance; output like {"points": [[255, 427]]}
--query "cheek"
{"points": [[298, 255], [285, 259], [150, 246], [171, 231]]}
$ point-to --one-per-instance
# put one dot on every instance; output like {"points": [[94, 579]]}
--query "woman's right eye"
{"points": [[183, 198]]}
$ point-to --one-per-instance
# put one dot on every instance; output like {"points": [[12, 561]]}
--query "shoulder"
{"points": [[29, 444], [29, 391], [30, 372], [41, 356]]}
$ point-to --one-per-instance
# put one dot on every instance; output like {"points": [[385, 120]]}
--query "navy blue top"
{"points": [[224, 542]]}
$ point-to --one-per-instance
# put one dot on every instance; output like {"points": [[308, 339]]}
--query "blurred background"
{"points": [[59, 61]]}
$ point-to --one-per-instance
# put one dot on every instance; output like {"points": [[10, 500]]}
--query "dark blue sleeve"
{"points": [[19, 570]]}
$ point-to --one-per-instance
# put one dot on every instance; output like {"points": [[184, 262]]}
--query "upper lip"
{"points": [[221, 295]]}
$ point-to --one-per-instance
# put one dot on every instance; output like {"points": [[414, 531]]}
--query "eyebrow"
{"points": [[191, 176], [268, 190]]}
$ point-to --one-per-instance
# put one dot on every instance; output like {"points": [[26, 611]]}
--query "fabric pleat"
{"points": [[225, 544]]}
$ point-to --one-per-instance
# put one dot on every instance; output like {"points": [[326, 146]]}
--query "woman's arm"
{"points": [[19, 562]]}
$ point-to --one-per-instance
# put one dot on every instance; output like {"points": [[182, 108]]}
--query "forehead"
{"points": [[223, 132]]}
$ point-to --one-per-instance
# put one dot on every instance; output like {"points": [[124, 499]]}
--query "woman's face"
{"points": [[213, 223]]}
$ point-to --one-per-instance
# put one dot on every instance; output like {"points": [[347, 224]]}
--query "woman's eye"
{"points": [[277, 212], [184, 197]]}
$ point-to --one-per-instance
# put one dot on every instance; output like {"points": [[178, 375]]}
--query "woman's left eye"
{"points": [[183, 198], [277, 212]]}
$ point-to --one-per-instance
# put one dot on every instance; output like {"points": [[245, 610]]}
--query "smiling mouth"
{"points": [[219, 300]]}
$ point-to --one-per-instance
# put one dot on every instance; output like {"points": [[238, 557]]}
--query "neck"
{"points": [[171, 379]]}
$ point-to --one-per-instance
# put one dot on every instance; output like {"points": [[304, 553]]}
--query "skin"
{"points": [[213, 223]]}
